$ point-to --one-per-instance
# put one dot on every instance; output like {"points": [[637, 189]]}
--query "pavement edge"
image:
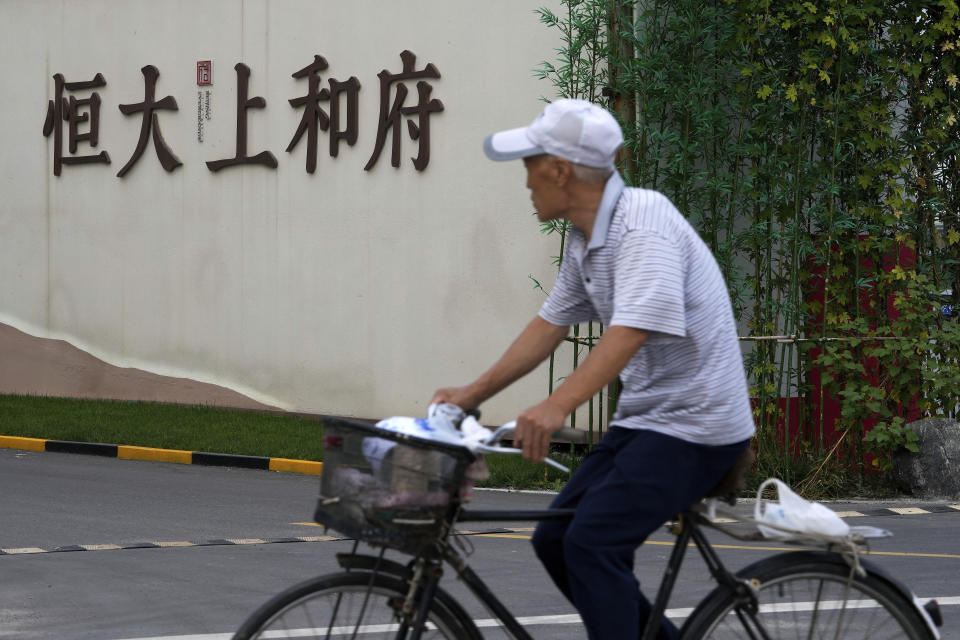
{"points": [[128, 452]]}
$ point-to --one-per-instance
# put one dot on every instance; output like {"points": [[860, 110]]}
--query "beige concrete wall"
{"points": [[346, 291]]}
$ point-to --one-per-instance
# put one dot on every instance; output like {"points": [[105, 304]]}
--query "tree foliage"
{"points": [[814, 145]]}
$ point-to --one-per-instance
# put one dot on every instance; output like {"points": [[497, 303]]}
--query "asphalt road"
{"points": [[182, 552]]}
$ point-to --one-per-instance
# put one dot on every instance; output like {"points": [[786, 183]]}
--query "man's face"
{"points": [[549, 198]]}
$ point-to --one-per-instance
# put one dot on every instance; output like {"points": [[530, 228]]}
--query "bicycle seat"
{"points": [[734, 481]]}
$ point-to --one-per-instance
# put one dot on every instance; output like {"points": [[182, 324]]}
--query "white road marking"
{"points": [[101, 547], [573, 618]]}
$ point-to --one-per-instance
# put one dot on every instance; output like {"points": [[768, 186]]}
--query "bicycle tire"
{"points": [[804, 595], [357, 604]]}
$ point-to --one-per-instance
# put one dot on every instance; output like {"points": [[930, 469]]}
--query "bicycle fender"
{"points": [[835, 558], [374, 564]]}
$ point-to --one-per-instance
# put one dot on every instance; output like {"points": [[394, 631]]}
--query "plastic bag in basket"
{"points": [[474, 432], [437, 428]]}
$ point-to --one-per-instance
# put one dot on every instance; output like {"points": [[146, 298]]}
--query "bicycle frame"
{"points": [[687, 529], [434, 544]]}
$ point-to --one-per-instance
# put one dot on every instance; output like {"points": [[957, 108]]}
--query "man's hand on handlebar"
{"points": [[459, 396], [535, 428]]}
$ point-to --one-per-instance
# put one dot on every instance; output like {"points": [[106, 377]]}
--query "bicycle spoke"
{"points": [[363, 607], [808, 606], [348, 606], [746, 621], [816, 611], [333, 615]]}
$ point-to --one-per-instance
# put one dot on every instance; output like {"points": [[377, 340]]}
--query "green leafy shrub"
{"points": [[816, 147]]}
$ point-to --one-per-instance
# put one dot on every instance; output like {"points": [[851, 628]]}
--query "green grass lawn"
{"points": [[279, 435], [215, 430], [513, 472], [166, 426]]}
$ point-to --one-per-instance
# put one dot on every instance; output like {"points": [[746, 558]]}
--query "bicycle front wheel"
{"points": [[349, 605], [809, 595]]}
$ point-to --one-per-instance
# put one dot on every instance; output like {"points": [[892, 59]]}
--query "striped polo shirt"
{"points": [[647, 268]]}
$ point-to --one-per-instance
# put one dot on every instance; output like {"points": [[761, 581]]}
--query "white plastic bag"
{"points": [[425, 428], [794, 513], [438, 426]]}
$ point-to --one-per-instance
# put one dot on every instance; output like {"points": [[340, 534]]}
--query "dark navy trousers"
{"points": [[632, 482]]}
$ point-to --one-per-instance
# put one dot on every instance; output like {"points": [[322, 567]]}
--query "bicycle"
{"points": [[397, 492]]}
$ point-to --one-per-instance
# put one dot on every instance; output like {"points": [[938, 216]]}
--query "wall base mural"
{"points": [[41, 366]]}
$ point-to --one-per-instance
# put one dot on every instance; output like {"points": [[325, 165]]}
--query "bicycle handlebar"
{"points": [[568, 434], [506, 430], [490, 445]]}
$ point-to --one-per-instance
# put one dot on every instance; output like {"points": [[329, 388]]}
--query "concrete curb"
{"points": [[909, 506], [162, 455]]}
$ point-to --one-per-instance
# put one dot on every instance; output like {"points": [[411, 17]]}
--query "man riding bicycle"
{"points": [[635, 264]]}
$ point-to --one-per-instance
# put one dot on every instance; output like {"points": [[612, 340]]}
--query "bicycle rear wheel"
{"points": [[351, 605], [809, 595]]}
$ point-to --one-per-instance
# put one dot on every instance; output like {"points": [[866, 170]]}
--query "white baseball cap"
{"points": [[575, 130]]}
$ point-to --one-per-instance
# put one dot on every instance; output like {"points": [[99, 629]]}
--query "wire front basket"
{"points": [[387, 489]]}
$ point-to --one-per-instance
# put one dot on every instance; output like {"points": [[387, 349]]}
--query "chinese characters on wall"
{"points": [[339, 121]]}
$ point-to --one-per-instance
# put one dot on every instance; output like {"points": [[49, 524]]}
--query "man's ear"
{"points": [[562, 171]]}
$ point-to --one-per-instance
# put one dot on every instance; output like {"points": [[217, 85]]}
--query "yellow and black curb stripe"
{"points": [[312, 467], [902, 511], [206, 543], [162, 455], [165, 545]]}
